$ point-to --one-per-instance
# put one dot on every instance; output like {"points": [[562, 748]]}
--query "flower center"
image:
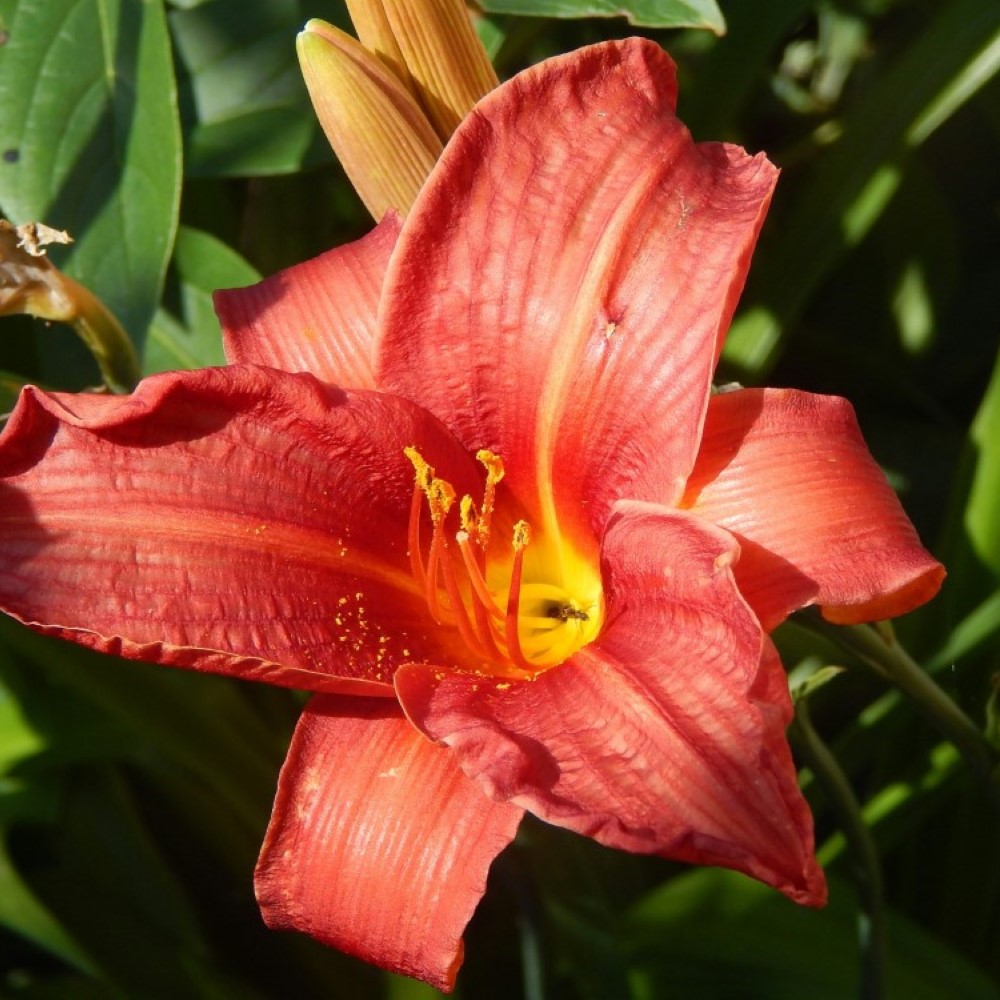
{"points": [[520, 609]]}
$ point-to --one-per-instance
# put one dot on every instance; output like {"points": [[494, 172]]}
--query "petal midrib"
{"points": [[595, 279]]}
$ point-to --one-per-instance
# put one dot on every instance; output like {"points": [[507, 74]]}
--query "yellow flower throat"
{"points": [[518, 611]]}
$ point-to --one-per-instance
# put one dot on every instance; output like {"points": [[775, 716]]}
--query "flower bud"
{"points": [[378, 131], [448, 64]]}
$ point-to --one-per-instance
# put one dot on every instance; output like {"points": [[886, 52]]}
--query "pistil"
{"points": [[522, 536]]}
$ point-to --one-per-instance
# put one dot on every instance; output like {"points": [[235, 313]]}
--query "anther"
{"points": [[467, 516], [494, 473], [424, 471]]}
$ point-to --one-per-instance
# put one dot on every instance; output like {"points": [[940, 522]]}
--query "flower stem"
{"points": [[31, 284], [879, 649], [872, 917], [105, 338]]}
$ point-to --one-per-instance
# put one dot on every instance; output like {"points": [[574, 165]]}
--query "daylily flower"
{"points": [[502, 529]]}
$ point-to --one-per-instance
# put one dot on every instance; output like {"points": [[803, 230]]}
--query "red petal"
{"points": [[230, 519], [561, 286], [378, 844], [790, 475], [666, 735], [318, 316]]}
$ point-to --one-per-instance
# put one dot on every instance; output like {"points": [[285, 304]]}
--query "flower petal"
{"points": [[789, 473], [318, 316], [666, 735], [228, 519], [561, 287], [378, 844]]}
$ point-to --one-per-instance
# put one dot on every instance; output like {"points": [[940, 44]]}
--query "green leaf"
{"points": [[982, 517], [732, 69], [91, 142], [958, 51], [247, 105], [20, 911], [647, 13], [491, 32], [895, 811], [193, 339], [970, 634], [809, 678], [714, 933], [18, 738]]}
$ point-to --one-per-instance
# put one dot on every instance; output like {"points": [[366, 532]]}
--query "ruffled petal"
{"points": [[562, 284], [378, 844], [318, 316], [789, 473], [232, 519], [666, 735]]}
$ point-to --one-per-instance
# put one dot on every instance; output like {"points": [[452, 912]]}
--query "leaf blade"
{"points": [[94, 141]]}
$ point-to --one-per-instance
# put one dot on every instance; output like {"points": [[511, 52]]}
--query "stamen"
{"points": [[431, 588], [413, 537], [440, 497], [556, 621], [465, 630], [494, 473], [488, 631], [479, 587], [522, 537]]}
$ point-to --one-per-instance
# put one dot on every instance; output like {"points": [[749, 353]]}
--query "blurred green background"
{"points": [[176, 142]]}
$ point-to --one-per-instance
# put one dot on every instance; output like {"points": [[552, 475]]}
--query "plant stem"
{"points": [[878, 648], [872, 917], [105, 338]]}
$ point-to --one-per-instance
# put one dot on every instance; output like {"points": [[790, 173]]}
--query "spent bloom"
{"points": [[465, 479]]}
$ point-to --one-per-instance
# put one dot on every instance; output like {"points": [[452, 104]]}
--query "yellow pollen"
{"points": [[468, 517], [494, 473], [494, 466], [424, 472], [440, 497], [518, 614], [522, 535]]}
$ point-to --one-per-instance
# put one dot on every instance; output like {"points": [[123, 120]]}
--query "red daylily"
{"points": [[503, 530]]}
